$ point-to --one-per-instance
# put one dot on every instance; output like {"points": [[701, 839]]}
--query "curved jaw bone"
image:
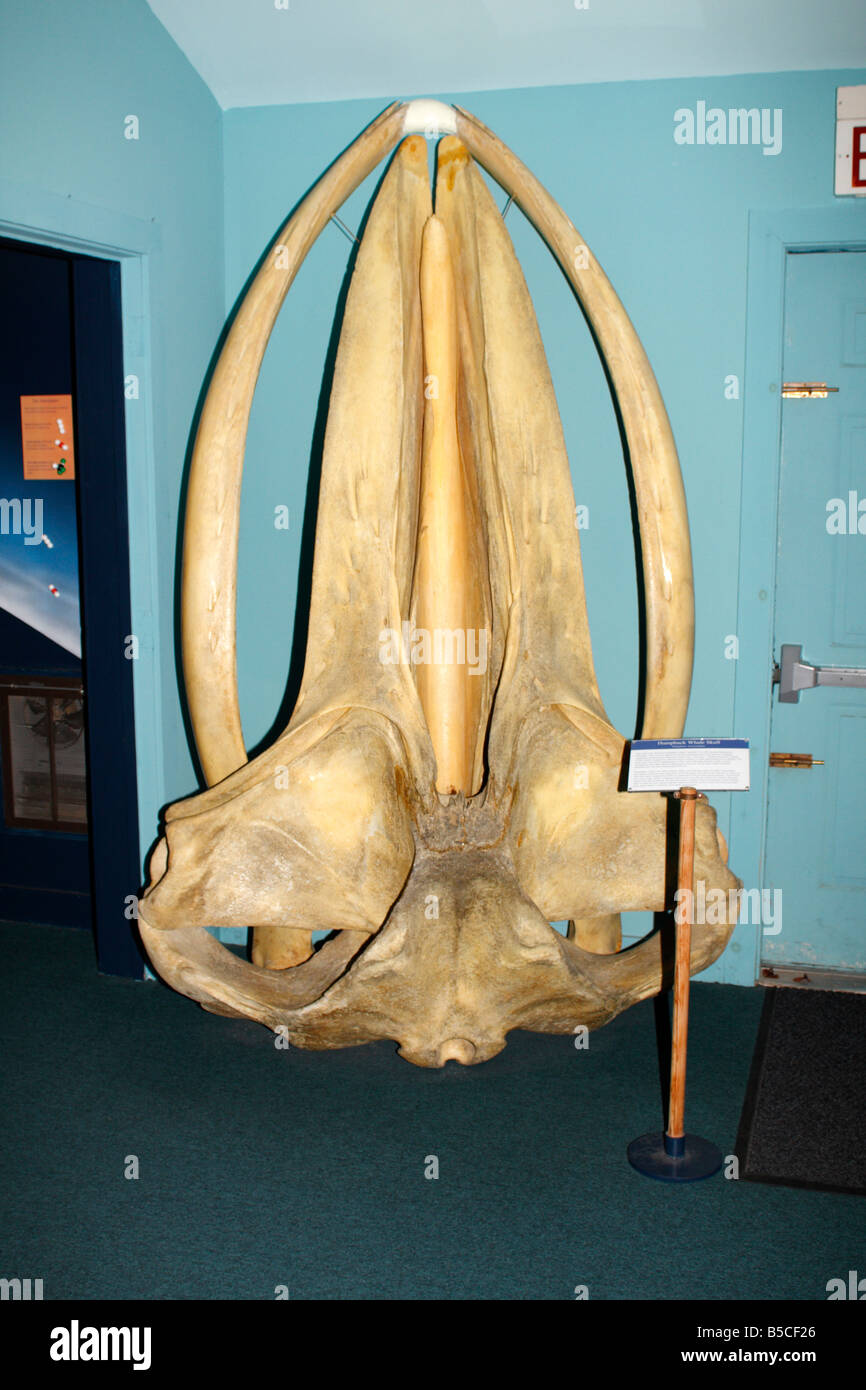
{"points": [[447, 784], [463, 957]]}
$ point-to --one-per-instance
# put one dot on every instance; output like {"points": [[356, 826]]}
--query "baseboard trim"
{"points": [[811, 977]]}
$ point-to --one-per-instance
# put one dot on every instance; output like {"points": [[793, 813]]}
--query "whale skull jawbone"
{"points": [[435, 815]]}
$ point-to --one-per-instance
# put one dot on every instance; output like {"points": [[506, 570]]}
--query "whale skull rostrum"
{"points": [[447, 785]]}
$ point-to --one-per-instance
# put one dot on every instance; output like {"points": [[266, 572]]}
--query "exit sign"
{"points": [[851, 141]]}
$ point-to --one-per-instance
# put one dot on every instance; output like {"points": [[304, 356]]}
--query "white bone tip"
{"points": [[431, 118]]}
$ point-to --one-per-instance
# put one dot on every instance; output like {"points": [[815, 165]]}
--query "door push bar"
{"points": [[794, 675]]}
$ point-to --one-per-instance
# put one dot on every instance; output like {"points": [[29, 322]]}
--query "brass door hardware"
{"points": [[795, 760], [804, 390]]}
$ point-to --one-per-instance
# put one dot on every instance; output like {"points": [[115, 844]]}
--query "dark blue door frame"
{"points": [[98, 412], [105, 609]]}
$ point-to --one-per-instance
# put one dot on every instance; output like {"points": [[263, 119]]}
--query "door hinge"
{"points": [[804, 390], [795, 760]]}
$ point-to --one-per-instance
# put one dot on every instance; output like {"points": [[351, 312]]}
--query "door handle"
{"points": [[794, 675]]}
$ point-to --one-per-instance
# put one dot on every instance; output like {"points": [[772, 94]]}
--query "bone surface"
{"points": [[448, 783], [451, 591]]}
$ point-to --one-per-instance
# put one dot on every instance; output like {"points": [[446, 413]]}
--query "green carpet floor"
{"points": [[261, 1167]]}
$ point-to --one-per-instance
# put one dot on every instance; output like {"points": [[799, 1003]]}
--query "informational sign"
{"points": [[46, 437], [708, 764], [850, 142]]}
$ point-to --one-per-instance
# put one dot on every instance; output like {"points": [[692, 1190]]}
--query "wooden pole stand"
{"points": [[687, 797], [676, 1156]]}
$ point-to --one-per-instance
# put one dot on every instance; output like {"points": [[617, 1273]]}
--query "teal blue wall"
{"points": [[669, 224], [69, 75]]}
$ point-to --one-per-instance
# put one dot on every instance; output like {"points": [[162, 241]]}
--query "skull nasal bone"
{"points": [[450, 581]]}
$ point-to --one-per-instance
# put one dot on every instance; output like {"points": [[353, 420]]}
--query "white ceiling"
{"points": [[251, 53]]}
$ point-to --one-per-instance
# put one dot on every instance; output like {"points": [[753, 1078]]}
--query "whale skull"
{"points": [[448, 784]]}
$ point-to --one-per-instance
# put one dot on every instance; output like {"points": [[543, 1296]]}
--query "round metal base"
{"points": [[686, 1159]]}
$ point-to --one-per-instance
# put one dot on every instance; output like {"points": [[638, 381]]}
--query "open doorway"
{"points": [[69, 826]]}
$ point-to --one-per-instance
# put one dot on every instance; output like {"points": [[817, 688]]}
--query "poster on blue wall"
{"points": [[38, 521]]}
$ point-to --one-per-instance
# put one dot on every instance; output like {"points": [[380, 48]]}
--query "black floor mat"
{"points": [[804, 1117]]}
